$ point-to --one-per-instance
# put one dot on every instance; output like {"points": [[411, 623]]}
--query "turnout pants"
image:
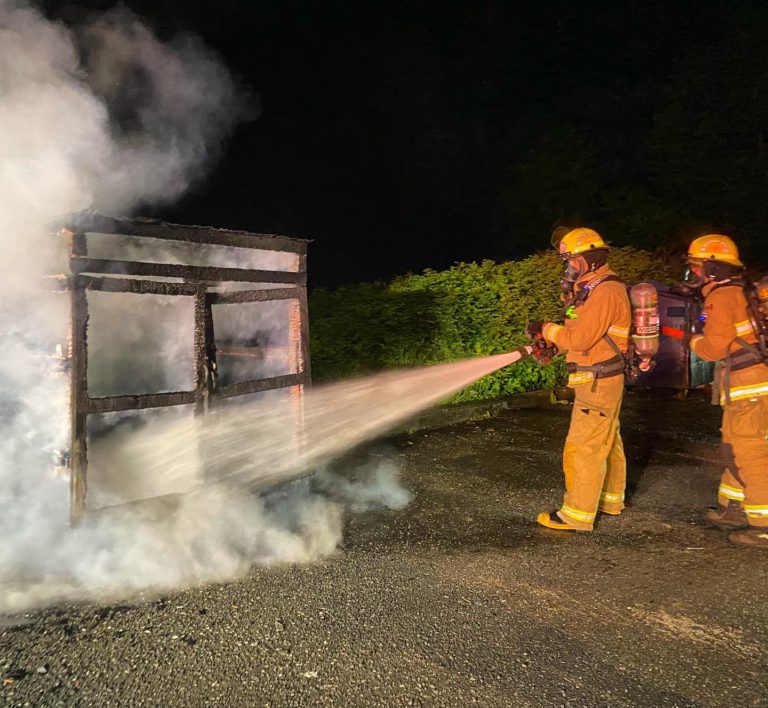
{"points": [[593, 457], [745, 455]]}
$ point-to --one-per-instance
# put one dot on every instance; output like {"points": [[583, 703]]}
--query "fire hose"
{"points": [[539, 349]]}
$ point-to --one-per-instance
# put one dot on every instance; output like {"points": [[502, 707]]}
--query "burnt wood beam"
{"points": [[250, 351], [98, 224], [173, 270], [246, 387], [111, 404], [131, 285], [240, 296]]}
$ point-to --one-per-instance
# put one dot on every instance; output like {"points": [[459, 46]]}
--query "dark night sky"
{"points": [[405, 135]]}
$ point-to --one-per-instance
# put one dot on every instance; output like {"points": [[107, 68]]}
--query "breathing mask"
{"points": [[699, 273], [571, 274], [695, 277]]}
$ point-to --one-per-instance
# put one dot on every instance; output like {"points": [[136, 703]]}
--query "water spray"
{"points": [[256, 443]]}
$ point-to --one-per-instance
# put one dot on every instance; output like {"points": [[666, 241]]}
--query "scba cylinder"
{"points": [[761, 287], [645, 322]]}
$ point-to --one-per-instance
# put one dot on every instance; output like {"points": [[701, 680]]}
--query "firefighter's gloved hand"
{"points": [[543, 352], [533, 330]]}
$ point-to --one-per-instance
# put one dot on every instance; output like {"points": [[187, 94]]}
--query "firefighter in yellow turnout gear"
{"points": [[595, 338], [730, 338]]}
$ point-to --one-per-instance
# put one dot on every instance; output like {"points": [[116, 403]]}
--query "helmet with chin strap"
{"points": [[582, 250], [712, 258], [575, 242], [714, 247]]}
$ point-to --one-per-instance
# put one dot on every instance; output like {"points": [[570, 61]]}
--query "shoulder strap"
{"points": [[758, 319], [613, 345], [731, 283], [581, 297], [758, 323]]}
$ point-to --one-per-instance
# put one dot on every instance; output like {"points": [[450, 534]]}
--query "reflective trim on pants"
{"points": [[584, 516], [745, 450], [729, 492], [756, 512], [605, 496]]}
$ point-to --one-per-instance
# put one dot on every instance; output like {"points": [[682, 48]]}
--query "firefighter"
{"points": [[595, 338], [729, 338]]}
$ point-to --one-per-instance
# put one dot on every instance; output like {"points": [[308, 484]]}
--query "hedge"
{"points": [[471, 309]]}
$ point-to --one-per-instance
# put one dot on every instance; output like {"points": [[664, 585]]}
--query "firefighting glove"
{"points": [[533, 330], [543, 352]]}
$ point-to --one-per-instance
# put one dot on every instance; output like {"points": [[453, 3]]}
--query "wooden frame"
{"points": [[92, 274]]}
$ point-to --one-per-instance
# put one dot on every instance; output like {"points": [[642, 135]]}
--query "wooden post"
{"points": [[205, 372], [306, 369], [78, 352], [302, 335], [299, 354], [203, 331]]}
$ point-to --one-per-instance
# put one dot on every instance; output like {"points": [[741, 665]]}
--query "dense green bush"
{"points": [[471, 309]]}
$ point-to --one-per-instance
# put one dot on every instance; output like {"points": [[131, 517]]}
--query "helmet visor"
{"points": [[557, 236]]}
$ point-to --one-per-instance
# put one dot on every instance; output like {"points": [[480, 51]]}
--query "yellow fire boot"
{"points": [[551, 520], [729, 517], [754, 537]]}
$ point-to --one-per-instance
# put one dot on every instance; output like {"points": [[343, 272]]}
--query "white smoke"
{"points": [[367, 487], [213, 535], [110, 118]]}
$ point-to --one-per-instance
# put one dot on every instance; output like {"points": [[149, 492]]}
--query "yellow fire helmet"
{"points": [[714, 247], [578, 241]]}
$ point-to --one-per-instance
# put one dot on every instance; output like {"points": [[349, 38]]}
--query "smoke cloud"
{"points": [[107, 117], [212, 535]]}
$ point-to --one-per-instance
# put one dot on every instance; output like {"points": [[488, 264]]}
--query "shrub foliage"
{"points": [[469, 310]]}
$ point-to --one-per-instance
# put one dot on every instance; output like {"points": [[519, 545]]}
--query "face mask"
{"points": [[570, 276], [694, 280], [683, 289]]}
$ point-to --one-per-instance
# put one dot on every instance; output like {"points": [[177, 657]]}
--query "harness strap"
{"points": [[614, 366], [746, 356], [717, 384], [581, 296], [613, 345], [726, 377], [603, 369]]}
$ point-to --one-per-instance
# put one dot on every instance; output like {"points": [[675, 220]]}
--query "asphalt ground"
{"points": [[458, 599]]}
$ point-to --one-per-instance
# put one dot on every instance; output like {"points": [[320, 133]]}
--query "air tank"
{"points": [[761, 287], [645, 323]]}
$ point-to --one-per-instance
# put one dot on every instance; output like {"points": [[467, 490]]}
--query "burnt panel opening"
{"points": [[168, 320], [252, 341], [139, 343]]}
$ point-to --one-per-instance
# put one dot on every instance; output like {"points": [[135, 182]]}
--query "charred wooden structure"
{"points": [[208, 286]]}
